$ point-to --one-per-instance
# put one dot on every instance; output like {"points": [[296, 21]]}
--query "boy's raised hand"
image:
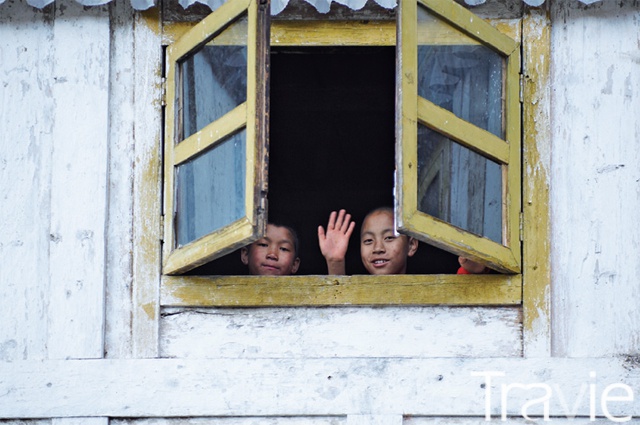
{"points": [[335, 241]]}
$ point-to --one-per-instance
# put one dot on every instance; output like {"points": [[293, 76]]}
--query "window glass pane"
{"points": [[459, 74], [214, 79], [459, 186], [210, 190]]}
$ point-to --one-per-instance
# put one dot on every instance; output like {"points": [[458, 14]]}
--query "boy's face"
{"points": [[382, 250], [274, 254]]}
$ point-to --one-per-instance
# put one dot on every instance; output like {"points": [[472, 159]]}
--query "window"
{"points": [[459, 134], [437, 129], [215, 157]]}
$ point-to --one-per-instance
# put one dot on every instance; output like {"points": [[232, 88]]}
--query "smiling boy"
{"points": [[382, 249], [275, 254]]}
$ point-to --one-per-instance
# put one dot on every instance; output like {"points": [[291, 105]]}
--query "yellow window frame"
{"points": [[236, 291], [250, 115], [504, 290], [505, 257]]}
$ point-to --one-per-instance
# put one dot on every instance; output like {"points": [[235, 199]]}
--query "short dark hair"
{"points": [[294, 235], [376, 210]]}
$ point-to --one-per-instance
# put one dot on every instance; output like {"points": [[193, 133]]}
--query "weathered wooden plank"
{"points": [[341, 332], [515, 420], [278, 420], [80, 421], [337, 420], [322, 387], [78, 181], [595, 173], [26, 119], [326, 32], [374, 420], [242, 291], [119, 281], [535, 183], [147, 228]]}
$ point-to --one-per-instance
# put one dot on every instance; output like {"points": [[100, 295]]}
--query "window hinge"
{"points": [[164, 91], [162, 228], [521, 226], [262, 207], [521, 88]]}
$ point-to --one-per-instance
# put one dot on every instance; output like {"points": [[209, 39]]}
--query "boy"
{"points": [[275, 254], [382, 250]]}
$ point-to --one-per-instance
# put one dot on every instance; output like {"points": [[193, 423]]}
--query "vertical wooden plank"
{"points": [[535, 174], [26, 119], [119, 279], [406, 112], [146, 184], [595, 174], [78, 182]]}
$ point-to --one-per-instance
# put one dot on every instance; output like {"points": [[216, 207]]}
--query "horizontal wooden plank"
{"points": [[249, 420], [321, 386], [237, 291], [342, 331], [314, 33], [422, 420], [336, 420], [80, 421], [331, 33], [361, 32]]}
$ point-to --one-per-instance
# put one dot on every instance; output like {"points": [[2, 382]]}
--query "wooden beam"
{"points": [[147, 228], [341, 290], [535, 183], [77, 266], [299, 387]]}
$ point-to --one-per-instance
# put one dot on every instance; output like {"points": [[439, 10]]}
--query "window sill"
{"points": [[269, 291]]}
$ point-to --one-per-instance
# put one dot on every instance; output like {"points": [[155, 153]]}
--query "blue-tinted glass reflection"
{"points": [[211, 190], [459, 186], [214, 82], [462, 76]]}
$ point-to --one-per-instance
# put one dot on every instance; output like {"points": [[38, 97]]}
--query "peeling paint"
{"points": [[609, 168], [608, 88], [628, 89], [150, 310]]}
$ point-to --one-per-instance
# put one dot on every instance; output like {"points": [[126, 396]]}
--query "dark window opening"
{"points": [[332, 119]]}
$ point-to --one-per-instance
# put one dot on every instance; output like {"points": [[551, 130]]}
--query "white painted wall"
{"points": [[54, 157], [25, 173], [341, 332], [595, 179], [79, 103]]}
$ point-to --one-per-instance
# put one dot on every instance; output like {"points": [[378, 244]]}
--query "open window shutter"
{"points": [[216, 141], [458, 133]]}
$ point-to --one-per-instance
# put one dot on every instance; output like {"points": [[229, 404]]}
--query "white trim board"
{"points": [[298, 387]]}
